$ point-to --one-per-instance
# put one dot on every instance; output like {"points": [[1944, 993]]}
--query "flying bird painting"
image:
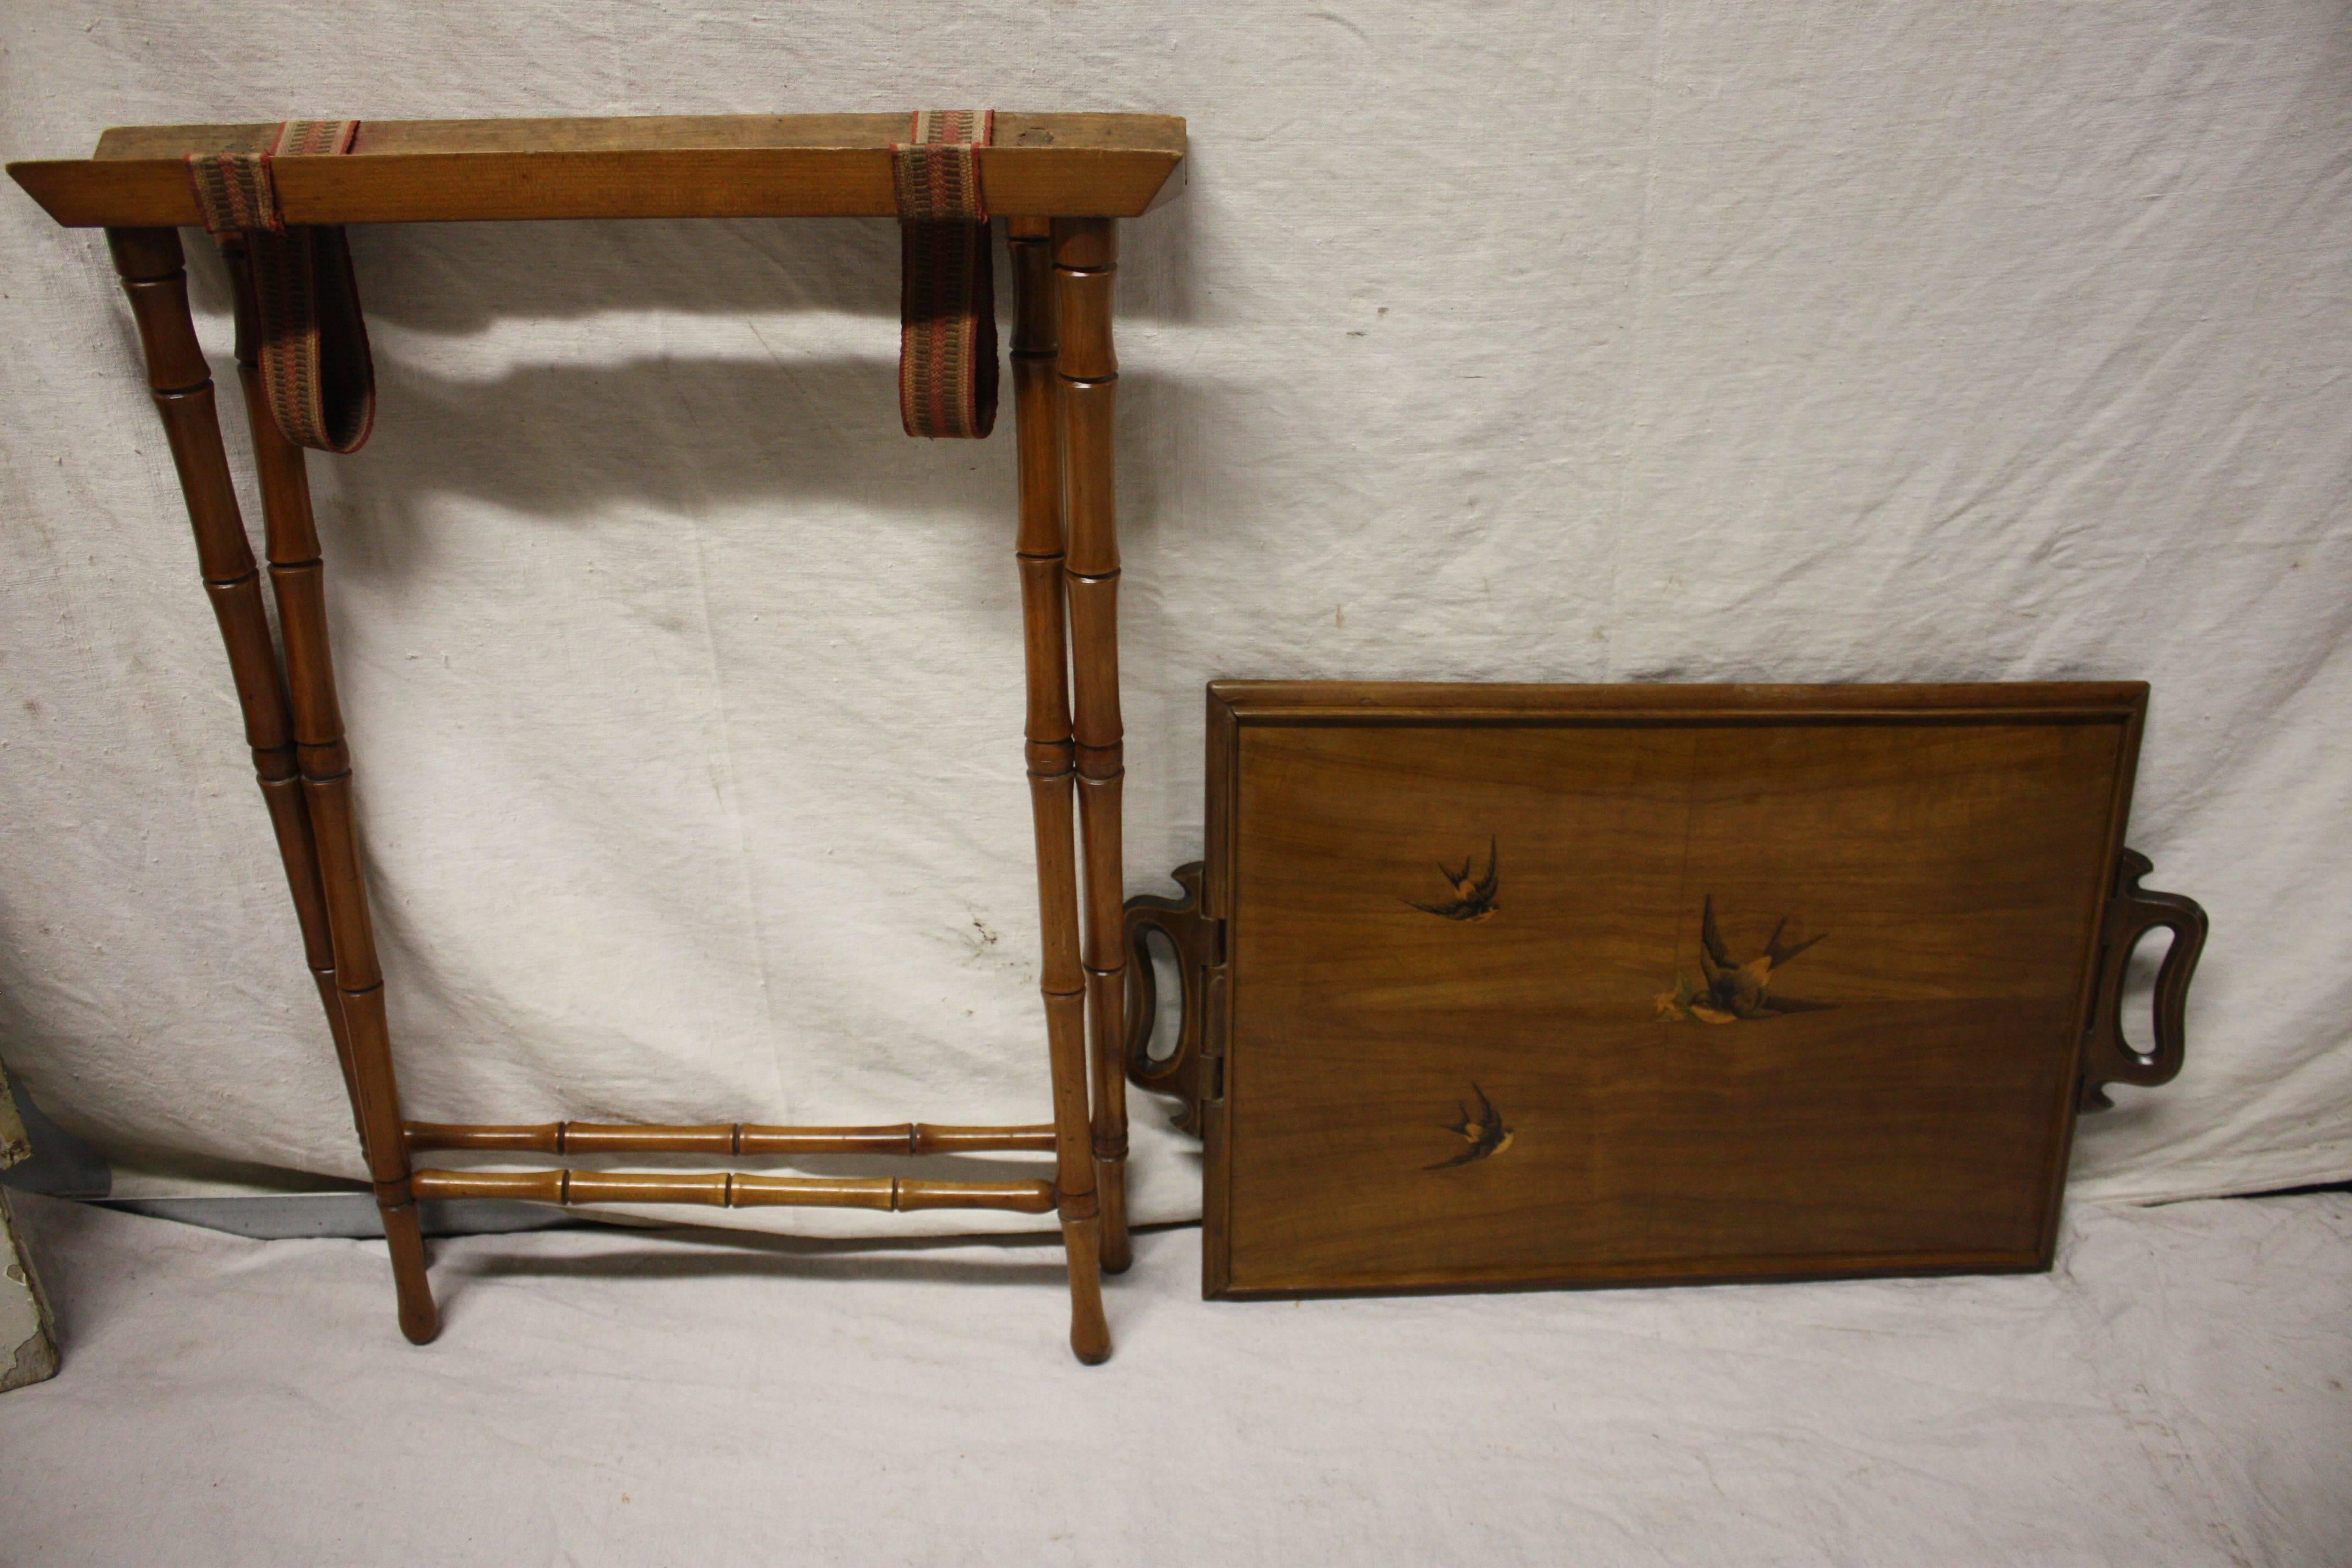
{"points": [[1733, 991], [1484, 1131], [1474, 897]]}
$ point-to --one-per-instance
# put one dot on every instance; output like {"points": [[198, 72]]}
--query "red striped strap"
{"points": [[946, 298], [316, 370]]}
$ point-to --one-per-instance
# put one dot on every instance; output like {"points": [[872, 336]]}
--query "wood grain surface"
{"points": [[1421, 1097], [753, 165]]}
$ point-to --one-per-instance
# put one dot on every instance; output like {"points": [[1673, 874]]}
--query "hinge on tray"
{"points": [[2132, 912], [1193, 1068]]}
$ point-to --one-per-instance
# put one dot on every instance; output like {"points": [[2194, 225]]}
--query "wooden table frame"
{"points": [[1061, 181]]}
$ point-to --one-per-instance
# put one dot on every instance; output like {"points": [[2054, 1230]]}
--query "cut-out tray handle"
{"points": [[1197, 940], [2133, 912]]}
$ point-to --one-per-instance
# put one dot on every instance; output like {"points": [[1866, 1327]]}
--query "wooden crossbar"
{"points": [[745, 165], [731, 1189], [727, 1138]]}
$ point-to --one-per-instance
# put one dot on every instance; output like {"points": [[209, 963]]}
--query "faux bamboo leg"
{"points": [[150, 262], [1085, 262], [280, 776], [298, 579], [1036, 397]]}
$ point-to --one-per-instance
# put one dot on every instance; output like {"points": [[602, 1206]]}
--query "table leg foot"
{"points": [[420, 1319], [1089, 1333]]}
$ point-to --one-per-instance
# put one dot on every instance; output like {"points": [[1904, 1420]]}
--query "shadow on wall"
{"points": [[563, 442], [687, 432], [465, 278], [56, 1164], [594, 375]]}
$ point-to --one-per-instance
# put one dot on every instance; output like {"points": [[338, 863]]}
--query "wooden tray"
{"points": [[1509, 986]]}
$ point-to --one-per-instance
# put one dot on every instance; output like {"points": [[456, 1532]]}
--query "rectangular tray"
{"points": [[1460, 1028]]}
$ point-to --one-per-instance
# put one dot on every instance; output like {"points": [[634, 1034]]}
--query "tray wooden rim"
{"points": [[1234, 705]]}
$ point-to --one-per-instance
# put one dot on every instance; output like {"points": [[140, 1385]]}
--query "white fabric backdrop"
{"points": [[1639, 340], [2172, 1394]]}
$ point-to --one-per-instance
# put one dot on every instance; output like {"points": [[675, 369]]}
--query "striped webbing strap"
{"points": [[947, 301], [315, 367]]}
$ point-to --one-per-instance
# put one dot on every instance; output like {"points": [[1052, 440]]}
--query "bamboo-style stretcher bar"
{"points": [[738, 1138], [1059, 181], [733, 1189]]}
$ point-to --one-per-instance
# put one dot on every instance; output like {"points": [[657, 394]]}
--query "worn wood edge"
{"points": [[725, 167], [1723, 1271], [1016, 129], [2060, 1158], [1405, 702], [1222, 774]]}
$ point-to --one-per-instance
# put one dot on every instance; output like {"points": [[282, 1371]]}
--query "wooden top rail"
{"points": [[739, 166]]}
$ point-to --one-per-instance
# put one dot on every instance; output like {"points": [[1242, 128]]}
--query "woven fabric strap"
{"points": [[315, 367], [947, 298]]}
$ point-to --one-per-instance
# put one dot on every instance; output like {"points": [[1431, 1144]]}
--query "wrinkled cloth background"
{"points": [[1632, 341], [2172, 1393]]}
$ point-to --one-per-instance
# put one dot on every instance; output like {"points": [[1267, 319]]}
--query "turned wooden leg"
{"points": [[151, 264], [298, 579], [1085, 262], [1052, 770], [281, 779]]}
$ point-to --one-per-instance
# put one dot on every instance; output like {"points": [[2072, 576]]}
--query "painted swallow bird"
{"points": [[1736, 991], [1474, 897], [1484, 1131]]}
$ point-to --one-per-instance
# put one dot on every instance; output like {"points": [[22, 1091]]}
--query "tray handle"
{"points": [[1199, 941], [2133, 912]]}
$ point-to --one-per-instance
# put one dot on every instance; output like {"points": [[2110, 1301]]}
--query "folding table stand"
{"points": [[1060, 180]]}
